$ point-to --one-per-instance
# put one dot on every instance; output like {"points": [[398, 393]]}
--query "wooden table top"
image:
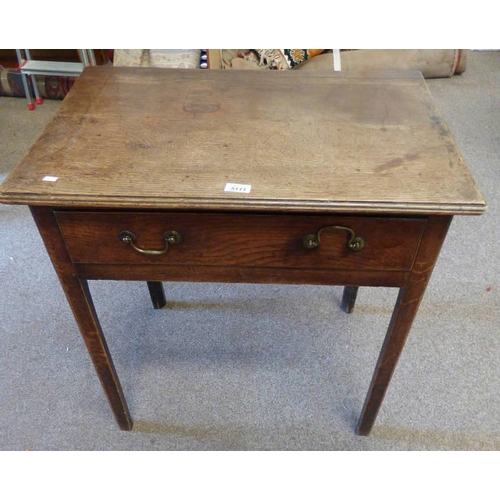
{"points": [[153, 138]]}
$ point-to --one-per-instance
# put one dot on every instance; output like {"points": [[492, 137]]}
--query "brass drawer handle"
{"points": [[171, 238], [355, 243]]}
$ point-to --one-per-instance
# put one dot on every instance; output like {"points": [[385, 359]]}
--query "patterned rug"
{"points": [[50, 87]]}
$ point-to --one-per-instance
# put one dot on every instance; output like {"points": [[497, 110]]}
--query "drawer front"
{"points": [[212, 239]]}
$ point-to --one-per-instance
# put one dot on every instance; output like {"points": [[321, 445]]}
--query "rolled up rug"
{"points": [[49, 87], [432, 63], [158, 58]]}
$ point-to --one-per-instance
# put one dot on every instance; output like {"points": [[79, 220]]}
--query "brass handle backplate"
{"points": [[171, 238], [355, 243]]}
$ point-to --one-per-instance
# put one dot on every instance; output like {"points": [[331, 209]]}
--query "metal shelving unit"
{"points": [[30, 68]]}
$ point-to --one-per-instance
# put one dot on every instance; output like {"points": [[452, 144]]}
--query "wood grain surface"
{"points": [[81, 303], [172, 139], [404, 313], [234, 274], [242, 240]]}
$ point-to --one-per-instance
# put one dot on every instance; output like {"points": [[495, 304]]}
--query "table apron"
{"points": [[225, 274]]}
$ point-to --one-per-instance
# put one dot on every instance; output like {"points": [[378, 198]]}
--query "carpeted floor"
{"points": [[251, 367]]}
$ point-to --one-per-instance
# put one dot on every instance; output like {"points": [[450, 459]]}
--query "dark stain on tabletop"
{"points": [[396, 162]]}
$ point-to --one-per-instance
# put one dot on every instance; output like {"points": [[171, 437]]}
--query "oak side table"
{"points": [[245, 177]]}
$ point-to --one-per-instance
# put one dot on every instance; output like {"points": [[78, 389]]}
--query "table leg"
{"points": [[402, 318], [157, 294], [80, 300], [349, 298]]}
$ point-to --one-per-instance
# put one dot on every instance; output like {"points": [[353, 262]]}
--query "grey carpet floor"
{"points": [[251, 367]]}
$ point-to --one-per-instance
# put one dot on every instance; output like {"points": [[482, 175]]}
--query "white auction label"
{"points": [[237, 188], [50, 178]]}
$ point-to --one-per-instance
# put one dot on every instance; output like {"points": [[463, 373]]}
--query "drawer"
{"points": [[215, 239]]}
